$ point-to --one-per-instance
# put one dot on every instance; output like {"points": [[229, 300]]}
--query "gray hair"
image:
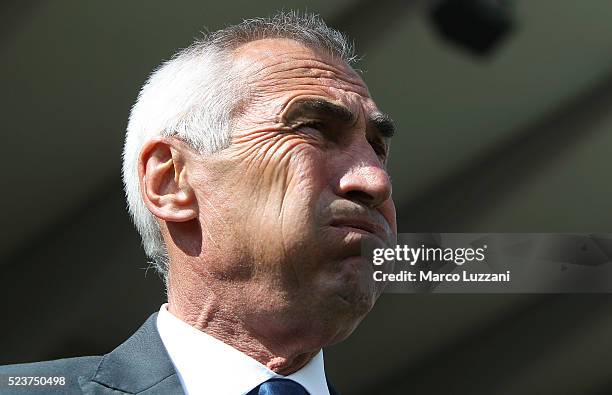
{"points": [[193, 95]]}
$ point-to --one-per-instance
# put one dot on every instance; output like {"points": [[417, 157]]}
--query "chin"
{"points": [[355, 285], [355, 304], [345, 308], [345, 327]]}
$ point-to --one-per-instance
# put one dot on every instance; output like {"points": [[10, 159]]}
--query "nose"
{"points": [[363, 178]]}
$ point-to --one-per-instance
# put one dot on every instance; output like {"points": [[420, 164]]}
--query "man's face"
{"points": [[284, 209]]}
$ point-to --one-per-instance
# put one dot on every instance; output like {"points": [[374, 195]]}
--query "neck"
{"points": [[283, 353]]}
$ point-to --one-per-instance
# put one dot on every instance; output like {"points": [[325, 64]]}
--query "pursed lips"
{"points": [[361, 225]]}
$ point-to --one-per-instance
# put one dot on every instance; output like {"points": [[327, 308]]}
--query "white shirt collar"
{"points": [[206, 365]]}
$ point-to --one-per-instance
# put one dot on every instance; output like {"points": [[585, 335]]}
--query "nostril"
{"points": [[360, 197]]}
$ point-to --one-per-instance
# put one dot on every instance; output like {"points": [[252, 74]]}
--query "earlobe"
{"points": [[164, 186]]}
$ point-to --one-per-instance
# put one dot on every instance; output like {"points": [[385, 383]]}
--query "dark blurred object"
{"points": [[478, 25]]}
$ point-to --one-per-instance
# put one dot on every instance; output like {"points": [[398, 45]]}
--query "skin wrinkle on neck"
{"points": [[212, 319]]}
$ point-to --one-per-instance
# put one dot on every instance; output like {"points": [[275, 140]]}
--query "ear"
{"points": [[164, 184]]}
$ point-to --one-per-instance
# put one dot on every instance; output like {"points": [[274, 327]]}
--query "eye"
{"points": [[322, 129], [317, 125]]}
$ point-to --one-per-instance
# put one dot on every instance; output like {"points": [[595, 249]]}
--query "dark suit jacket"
{"points": [[140, 365]]}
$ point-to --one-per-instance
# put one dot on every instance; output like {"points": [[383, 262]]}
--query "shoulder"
{"points": [[57, 376], [139, 364]]}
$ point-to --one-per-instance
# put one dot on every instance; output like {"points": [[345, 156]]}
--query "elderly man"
{"points": [[254, 168]]}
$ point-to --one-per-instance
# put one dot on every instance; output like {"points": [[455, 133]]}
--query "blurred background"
{"points": [[504, 117]]}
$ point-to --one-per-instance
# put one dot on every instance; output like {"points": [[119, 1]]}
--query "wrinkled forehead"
{"points": [[278, 70]]}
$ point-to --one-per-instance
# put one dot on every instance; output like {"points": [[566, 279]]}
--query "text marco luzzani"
{"points": [[412, 256]]}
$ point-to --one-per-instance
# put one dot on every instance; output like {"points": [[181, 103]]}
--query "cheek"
{"points": [[307, 172], [387, 210], [278, 165], [280, 176], [307, 180]]}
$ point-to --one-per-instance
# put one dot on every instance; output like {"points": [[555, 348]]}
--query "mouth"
{"points": [[357, 225]]}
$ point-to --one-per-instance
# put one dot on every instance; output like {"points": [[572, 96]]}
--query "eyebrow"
{"points": [[306, 108], [319, 107], [383, 123]]}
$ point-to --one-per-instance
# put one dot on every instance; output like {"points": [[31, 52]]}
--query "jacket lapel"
{"points": [[138, 366]]}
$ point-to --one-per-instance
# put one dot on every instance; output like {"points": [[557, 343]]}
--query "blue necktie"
{"points": [[278, 387]]}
